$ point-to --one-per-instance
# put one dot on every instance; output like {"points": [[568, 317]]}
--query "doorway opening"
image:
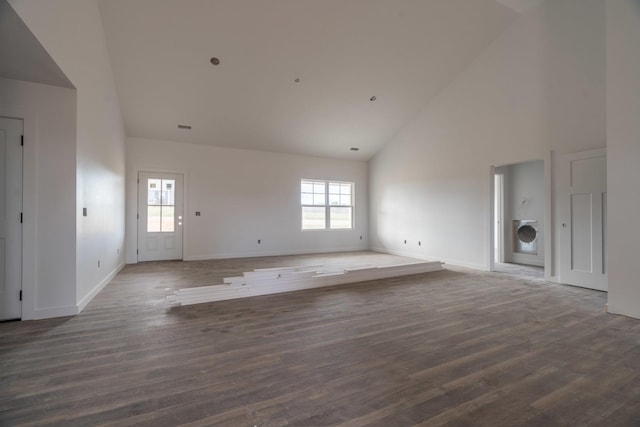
{"points": [[519, 219]]}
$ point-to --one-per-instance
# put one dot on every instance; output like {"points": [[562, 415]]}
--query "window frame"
{"points": [[326, 206]]}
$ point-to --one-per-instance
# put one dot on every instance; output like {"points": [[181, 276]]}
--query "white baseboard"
{"points": [[449, 261], [288, 279], [87, 298], [46, 313], [230, 255]]}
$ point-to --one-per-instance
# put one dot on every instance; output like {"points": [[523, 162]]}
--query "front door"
{"points": [[583, 200], [10, 218], [159, 216]]}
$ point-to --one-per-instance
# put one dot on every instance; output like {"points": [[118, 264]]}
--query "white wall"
{"points": [[539, 87], [623, 154], [49, 182], [524, 198], [244, 196], [71, 32]]}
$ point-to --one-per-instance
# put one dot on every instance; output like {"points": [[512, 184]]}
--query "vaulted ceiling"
{"points": [[294, 76], [22, 57]]}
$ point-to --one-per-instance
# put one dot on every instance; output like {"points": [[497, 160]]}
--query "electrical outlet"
{"points": [[405, 242], [419, 243], [98, 263], [259, 241], [360, 237]]}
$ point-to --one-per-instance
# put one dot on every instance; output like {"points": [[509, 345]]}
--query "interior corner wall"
{"points": [[245, 196], [71, 32], [49, 182], [623, 155], [539, 87]]}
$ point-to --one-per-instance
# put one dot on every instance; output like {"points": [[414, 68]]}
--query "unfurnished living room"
{"points": [[319, 213]]}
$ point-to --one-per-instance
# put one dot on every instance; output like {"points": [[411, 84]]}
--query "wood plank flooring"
{"points": [[450, 348]]}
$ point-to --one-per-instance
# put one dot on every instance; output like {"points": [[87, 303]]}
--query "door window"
{"points": [[161, 205]]}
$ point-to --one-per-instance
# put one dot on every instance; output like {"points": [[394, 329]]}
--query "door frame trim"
{"points": [[185, 223]]}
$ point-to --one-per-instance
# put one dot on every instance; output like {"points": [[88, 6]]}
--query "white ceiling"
{"points": [[22, 57], [343, 51], [521, 6]]}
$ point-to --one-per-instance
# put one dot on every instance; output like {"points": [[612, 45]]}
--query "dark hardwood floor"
{"points": [[450, 348]]}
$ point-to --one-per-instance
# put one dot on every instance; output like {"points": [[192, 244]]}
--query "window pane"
{"points": [[153, 191], [168, 220], [318, 187], [345, 189], [153, 219], [318, 199], [313, 218], [334, 199], [168, 192], [334, 188], [306, 199], [345, 200], [340, 218], [306, 187]]}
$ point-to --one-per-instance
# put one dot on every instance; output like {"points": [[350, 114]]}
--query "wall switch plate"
{"points": [[84, 211], [197, 213]]}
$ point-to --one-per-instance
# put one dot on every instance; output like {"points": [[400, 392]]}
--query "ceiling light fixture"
{"points": [[373, 98], [354, 148], [187, 127], [215, 61]]}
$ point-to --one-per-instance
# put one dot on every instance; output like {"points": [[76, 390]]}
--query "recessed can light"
{"points": [[215, 61], [373, 98], [354, 148]]}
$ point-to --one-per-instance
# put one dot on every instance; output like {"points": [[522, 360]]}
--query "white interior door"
{"points": [[10, 218], [583, 200], [160, 216]]}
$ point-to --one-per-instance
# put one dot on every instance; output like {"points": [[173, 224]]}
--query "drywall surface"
{"points": [[623, 155], [71, 31], [523, 200], [539, 87], [49, 182], [245, 196]]}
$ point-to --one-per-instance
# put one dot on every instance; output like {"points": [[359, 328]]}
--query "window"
{"points": [[326, 205], [161, 205]]}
